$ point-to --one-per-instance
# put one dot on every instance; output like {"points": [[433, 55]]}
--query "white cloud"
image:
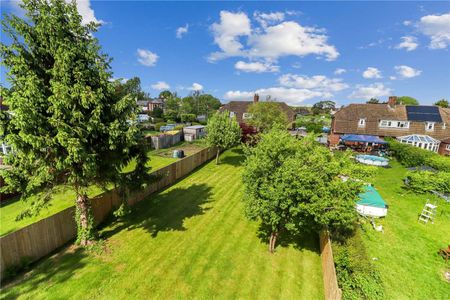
{"points": [[290, 38], [370, 91], [291, 96], [371, 72], [196, 87], [271, 41], [256, 67], [409, 43], [317, 82], [182, 31], [340, 71], [392, 77], [407, 23], [268, 18], [146, 57], [160, 85], [227, 33], [437, 28], [85, 10], [407, 72]]}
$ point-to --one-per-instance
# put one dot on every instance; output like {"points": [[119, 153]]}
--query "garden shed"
{"points": [[194, 132], [421, 141]]}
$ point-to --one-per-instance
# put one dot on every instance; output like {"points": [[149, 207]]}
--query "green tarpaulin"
{"points": [[371, 198]]}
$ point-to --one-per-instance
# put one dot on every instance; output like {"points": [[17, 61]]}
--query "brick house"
{"points": [[150, 105], [390, 120], [239, 109], [444, 147]]}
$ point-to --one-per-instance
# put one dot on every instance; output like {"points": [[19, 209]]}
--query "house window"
{"points": [[232, 114], [447, 147], [246, 116], [429, 126], [444, 125], [362, 123], [393, 124]]}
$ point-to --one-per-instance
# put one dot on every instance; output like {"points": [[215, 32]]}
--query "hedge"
{"points": [[357, 276], [411, 156], [425, 181]]}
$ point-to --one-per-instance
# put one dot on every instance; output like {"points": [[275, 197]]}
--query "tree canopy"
{"points": [[265, 115], [373, 101], [223, 132], [406, 100], [442, 103], [294, 185], [67, 123], [130, 87], [322, 107]]}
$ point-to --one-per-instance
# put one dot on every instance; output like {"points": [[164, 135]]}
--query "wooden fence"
{"points": [[330, 285], [45, 236]]}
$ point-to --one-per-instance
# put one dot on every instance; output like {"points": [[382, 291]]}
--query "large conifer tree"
{"points": [[66, 126]]}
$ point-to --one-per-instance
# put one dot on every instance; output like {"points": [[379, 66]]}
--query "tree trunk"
{"points": [[84, 220], [217, 156], [273, 241]]}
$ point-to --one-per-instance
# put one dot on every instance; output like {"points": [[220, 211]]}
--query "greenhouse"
{"points": [[422, 141]]}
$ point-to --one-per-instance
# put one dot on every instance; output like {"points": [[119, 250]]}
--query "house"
{"points": [[239, 109], [391, 120], [150, 105], [444, 147], [194, 132]]}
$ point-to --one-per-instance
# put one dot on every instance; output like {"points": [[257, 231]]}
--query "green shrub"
{"points": [[158, 125], [158, 120], [188, 118], [426, 181], [357, 276], [411, 156]]}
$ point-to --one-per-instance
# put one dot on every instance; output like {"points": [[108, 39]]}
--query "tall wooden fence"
{"points": [[43, 237], [331, 288]]}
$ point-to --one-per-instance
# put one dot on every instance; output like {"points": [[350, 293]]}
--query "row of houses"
{"points": [[427, 127]]}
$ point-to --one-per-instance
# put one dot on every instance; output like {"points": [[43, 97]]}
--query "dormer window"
{"points": [[429, 126], [362, 122], [444, 125], [232, 114]]}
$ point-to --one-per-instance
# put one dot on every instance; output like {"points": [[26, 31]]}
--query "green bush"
{"points": [[426, 181], [158, 125], [357, 276], [179, 127], [158, 120], [411, 156], [188, 118]]}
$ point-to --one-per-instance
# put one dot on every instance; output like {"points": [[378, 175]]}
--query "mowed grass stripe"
{"points": [[169, 248]]}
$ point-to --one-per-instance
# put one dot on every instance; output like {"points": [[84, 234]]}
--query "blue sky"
{"points": [[298, 52]]}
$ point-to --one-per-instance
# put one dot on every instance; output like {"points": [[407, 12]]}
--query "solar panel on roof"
{"points": [[423, 113]]}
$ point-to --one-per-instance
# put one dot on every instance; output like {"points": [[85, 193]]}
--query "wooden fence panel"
{"points": [[45, 236], [331, 288]]}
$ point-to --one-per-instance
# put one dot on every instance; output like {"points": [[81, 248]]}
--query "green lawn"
{"points": [[407, 251], [189, 241], [65, 197]]}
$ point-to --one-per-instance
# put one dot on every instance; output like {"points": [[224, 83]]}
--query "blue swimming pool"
{"points": [[372, 160]]}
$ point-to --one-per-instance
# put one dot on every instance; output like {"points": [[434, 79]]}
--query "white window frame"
{"points": [[444, 125], [447, 147], [393, 124], [362, 122], [246, 116], [428, 127], [232, 114]]}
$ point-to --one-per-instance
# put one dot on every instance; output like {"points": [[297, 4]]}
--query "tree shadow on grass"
{"points": [[304, 240], [165, 211], [56, 269], [235, 157]]}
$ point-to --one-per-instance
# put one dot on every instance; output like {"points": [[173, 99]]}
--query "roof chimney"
{"points": [[392, 101], [255, 98]]}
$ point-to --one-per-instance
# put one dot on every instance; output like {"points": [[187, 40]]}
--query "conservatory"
{"points": [[422, 141]]}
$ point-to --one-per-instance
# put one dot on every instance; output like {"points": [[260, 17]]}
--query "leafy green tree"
{"points": [[373, 101], [406, 100], [323, 107], [165, 95], [188, 118], [130, 87], [265, 115], [442, 103], [157, 112], [223, 132], [67, 124], [294, 185]]}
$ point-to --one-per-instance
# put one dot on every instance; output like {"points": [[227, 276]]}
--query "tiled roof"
{"points": [[241, 107]]}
